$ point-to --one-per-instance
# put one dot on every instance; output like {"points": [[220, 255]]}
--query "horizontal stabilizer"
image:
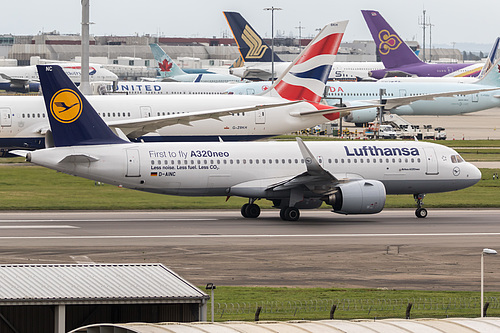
{"points": [[344, 111]]}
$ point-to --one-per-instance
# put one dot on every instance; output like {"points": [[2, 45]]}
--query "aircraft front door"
{"points": [[431, 162], [145, 111], [5, 117], [260, 117], [133, 163]]}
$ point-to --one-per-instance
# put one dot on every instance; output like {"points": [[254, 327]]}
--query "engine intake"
{"points": [[358, 197]]}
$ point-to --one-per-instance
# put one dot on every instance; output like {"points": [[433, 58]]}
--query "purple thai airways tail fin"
{"points": [[393, 51]]}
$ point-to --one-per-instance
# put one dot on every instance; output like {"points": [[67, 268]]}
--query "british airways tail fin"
{"points": [[393, 51], [73, 121], [306, 77], [251, 46], [168, 67]]}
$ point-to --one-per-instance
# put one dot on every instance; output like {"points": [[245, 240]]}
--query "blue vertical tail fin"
{"points": [[73, 121], [168, 67], [251, 46], [392, 49]]}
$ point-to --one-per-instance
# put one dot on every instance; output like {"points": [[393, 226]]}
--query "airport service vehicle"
{"points": [[169, 71], [292, 104], [400, 60], [352, 177], [25, 78], [258, 56]]}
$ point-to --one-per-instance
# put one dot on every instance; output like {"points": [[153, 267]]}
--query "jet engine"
{"points": [[358, 197], [361, 116]]}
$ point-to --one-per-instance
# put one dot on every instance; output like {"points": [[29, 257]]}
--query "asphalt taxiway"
{"points": [[392, 249]]}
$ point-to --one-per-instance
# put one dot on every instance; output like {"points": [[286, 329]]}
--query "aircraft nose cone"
{"points": [[474, 174]]}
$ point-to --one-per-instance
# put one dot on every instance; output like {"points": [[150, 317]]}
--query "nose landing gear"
{"points": [[420, 212]]}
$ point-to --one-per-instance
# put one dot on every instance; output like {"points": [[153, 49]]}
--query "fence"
{"points": [[357, 308]]}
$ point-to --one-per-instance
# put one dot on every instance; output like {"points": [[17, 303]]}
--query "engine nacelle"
{"points": [[361, 116], [358, 197]]}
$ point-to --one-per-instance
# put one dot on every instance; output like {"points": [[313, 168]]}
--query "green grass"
{"points": [[35, 188], [240, 303]]}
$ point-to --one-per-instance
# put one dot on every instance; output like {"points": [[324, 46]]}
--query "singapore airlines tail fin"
{"points": [[73, 121], [251, 46], [168, 67], [306, 77], [393, 50]]}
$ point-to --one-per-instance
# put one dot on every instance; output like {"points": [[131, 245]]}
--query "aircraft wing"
{"points": [[391, 103], [315, 181], [134, 128]]}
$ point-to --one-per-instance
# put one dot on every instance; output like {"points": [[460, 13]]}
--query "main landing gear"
{"points": [[420, 212], [289, 214], [250, 210]]}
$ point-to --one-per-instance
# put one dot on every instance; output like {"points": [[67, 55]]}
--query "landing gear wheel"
{"points": [[289, 214], [252, 211], [244, 210], [421, 213]]}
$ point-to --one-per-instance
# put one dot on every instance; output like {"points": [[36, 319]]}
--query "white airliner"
{"points": [[402, 96], [292, 104], [25, 78], [352, 177]]}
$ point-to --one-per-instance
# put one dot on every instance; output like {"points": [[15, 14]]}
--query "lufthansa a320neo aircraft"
{"points": [[352, 177]]}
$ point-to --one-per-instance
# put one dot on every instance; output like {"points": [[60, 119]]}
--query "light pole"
{"points": [[211, 286], [272, 9], [485, 251]]}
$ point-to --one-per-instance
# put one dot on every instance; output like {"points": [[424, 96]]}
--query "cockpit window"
{"points": [[456, 159]]}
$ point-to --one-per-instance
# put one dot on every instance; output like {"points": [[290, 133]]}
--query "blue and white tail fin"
{"points": [[251, 46], [392, 49], [73, 121], [306, 77], [492, 76], [168, 67]]}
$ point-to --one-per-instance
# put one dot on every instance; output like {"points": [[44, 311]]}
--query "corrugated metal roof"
{"points": [[326, 326], [94, 283]]}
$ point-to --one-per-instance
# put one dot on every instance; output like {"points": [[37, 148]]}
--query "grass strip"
{"points": [[240, 303]]}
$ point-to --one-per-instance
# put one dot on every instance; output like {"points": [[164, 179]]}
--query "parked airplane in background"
{"points": [[400, 60], [25, 78], [172, 88], [352, 177], [291, 105], [257, 56], [406, 97], [169, 71]]}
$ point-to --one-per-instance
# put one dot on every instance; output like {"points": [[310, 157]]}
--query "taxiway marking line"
{"points": [[257, 236], [38, 227], [104, 220]]}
